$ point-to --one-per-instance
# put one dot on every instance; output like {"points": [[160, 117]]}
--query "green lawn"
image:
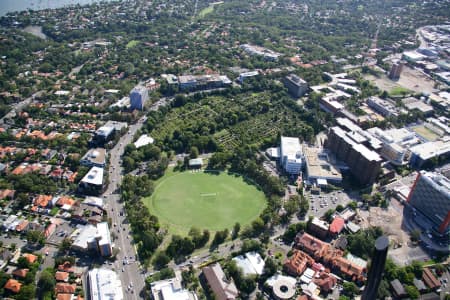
{"points": [[207, 201], [132, 44], [205, 11], [399, 91]]}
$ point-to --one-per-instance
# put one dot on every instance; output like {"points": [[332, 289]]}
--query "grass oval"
{"points": [[205, 200]]}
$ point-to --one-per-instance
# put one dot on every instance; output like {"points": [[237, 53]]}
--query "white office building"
{"points": [[291, 155], [138, 97], [104, 284], [170, 289]]}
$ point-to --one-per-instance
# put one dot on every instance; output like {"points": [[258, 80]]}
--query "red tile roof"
{"points": [[430, 280], [337, 225], [65, 288], [66, 267], [42, 200], [65, 200], [20, 272], [297, 263], [62, 276], [13, 285], [31, 258], [64, 297], [311, 245]]}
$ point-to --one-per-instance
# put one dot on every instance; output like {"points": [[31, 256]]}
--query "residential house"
{"points": [[398, 288], [66, 267], [49, 230], [31, 258], [43, 201], [65, 288], [62, 276], [13, 286], [7, 194], [22, 226], [20, 273]]}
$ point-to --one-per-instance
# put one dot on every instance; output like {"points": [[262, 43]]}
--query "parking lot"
{"points": [[319, 204]]}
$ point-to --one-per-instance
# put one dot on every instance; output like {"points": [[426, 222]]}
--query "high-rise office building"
{"points": [[396, 70], [297, 87], [430, 195], [376, 268], [364, 163], [138, 97], [291, 155]]}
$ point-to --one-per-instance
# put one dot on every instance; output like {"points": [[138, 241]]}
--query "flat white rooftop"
{"points": [[143, 140], [105, 285], [94, 176], [290, 147], [250, 263]]}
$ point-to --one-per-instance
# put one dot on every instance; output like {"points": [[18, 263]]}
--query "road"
{"points": [[19, 106], [127, 264]]}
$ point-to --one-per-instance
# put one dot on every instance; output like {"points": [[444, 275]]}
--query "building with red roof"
{"points": [[311, 245], [337, 225], [31, 258], [65, 288], [430, 280], [297, 263], [20, 273], [13, 285]]}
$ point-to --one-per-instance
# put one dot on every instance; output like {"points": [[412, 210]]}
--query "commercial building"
{"points": [[94, 238], [222, 287], [107, 132], [414, 104], [92, 182], [413, 56], [104, 284], [296, 86], [283, 287], [318, 228], [251, 263], [297, 263], [291, 155], [170, 289], [104, 239], [318, 167], [138, 97], [424, 153], [94, 158], [364, 163], [383, 107], [243, 76], [396, 70], [260, 51], [395, 143], [199, 82], [430, 195]]}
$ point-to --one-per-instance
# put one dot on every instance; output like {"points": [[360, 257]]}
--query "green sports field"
{"points": [[206, 201]]}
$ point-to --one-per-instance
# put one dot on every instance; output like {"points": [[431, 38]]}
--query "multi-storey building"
{"points": [[291, 155], [430, 195], [296, 86], [138, 97], [364, 163]]}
